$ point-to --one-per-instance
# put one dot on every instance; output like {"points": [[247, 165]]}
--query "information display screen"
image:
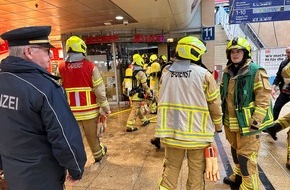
{"points": [[244, 11]]}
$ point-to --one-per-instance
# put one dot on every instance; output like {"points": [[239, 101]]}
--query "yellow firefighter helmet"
{"points": [[153, 58], [138, 60], [239, 43], [163, 58], [191, 48], [76, 44], [155, 67]]}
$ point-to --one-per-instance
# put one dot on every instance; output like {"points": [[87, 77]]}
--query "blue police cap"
{"points": [[32, 35]]}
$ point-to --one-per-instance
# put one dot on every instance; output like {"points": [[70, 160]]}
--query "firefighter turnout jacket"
{"points": [[139, 86], [189, 108], [82, 95], [247, 96]]}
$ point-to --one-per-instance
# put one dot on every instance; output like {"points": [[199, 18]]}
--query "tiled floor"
{"points": [[132, 163]]}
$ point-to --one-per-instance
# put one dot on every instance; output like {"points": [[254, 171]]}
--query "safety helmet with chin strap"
{"points": [[238, 43]]}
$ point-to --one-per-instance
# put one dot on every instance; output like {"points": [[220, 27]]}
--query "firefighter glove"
{"points": [[211, 169], [101, 125]]}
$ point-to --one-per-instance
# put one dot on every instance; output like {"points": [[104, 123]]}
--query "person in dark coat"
{"points": [[278, 83], [40, 141], [282, 99]]}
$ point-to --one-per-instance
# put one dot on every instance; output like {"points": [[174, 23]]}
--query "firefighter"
{"points": [[152, 80], [283, 122], [146, 67], [127, 82], [280, 124], [246, 104], [155, 73], [162, 60], [153, 58], [189, 113], [146, 61], [138, 93], [86, 93], [163, 63]]}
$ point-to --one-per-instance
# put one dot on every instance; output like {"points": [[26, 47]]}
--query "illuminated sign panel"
{"points": [[137, 38], [3, 47], [243, 11]]}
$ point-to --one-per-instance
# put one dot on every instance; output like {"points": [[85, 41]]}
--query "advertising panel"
{"points": [[270, 59]]}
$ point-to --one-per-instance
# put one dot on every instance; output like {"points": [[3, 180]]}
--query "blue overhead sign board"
{"points": [[243, 11], [208, 33]]}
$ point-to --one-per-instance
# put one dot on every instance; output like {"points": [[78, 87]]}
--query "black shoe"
{"points": [[156, 142], [145, 123], [98, 159], [272, 131], [288, 166], [265, 131], [131, 129], [103, 154], [236, 183]]}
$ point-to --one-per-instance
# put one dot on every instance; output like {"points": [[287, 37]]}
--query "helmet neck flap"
{"points": [[74, 57]]}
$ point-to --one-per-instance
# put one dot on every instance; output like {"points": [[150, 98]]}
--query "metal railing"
{"points": [[234, 30]]}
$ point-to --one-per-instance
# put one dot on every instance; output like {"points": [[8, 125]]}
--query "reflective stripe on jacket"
{"points": [[79, 82], [140, 81], [250, 102], [189, 108]]}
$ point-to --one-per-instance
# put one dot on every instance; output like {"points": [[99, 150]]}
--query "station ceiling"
{"points": [[90, 16]]}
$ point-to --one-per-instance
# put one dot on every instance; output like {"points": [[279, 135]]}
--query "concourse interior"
{"points": [[133, 163]]}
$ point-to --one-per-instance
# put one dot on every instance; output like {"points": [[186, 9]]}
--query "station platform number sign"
{"points": [[208, 33]]}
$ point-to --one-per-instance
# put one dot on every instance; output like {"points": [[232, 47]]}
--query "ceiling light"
{"points": [[119, 17], [107, 23], [170, 40]]}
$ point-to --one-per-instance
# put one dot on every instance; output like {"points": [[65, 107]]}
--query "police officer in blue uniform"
{"points": [[40, 141]]}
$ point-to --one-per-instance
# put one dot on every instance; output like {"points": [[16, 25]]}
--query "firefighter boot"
{"points": [[272, 131], [131, 129], [288, 166], [235, 183], [104, 152], [156, 142], [145, 123]]}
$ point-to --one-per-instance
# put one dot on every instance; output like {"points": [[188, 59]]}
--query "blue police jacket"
{"points": [[39, 137]]}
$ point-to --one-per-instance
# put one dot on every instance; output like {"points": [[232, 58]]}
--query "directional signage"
{"points": [[208, 33], [243, 11]]}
